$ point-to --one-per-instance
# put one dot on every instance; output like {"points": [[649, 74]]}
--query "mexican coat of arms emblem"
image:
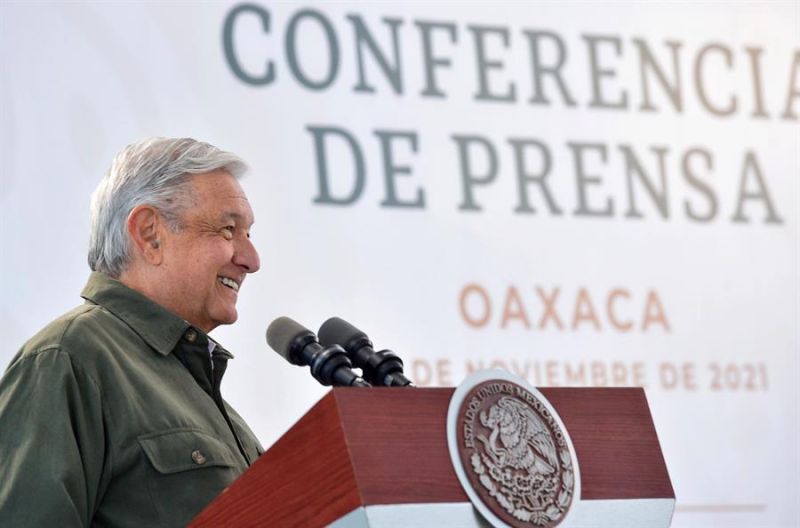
{"points": [[515, 454]]}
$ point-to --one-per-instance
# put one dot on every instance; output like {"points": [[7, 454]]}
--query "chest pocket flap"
{"points": [[185, 449]]}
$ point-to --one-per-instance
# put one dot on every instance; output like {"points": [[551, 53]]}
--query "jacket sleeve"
{"points": [[52, 445]]}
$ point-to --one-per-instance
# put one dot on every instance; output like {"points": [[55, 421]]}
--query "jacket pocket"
{"points": [[183, 449], [188, 469]]}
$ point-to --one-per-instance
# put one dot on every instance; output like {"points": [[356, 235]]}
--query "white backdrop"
{"points": [[667, 256]]}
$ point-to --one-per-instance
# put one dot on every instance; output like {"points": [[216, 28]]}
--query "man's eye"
{"points": [[227, 231]]}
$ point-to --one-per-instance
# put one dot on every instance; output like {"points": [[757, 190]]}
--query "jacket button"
{"points": [[190, 335], [198, 457]]}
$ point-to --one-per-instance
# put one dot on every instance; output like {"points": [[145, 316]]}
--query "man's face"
{"points": [[205, 263]]}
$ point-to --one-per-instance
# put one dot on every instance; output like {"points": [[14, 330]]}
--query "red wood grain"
{"points": [[615, 441], [398, 443], [389, 446], [304, 479]]}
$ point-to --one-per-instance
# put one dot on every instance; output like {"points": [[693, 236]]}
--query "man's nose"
{"points": [[246, 256]]}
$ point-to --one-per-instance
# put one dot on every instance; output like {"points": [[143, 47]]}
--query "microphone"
{"points": [[299, 346], [380, 368]]}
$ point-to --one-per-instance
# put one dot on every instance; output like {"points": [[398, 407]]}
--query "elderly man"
{"points": [[112, 414]]}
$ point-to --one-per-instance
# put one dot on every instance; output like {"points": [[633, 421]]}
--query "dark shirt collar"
{"points": [[160, 328]]}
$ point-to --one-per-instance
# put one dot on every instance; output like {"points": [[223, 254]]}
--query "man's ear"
{"points": [[144, 226]]}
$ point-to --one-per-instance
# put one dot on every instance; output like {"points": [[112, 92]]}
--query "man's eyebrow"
{"points": [[232, 215]]}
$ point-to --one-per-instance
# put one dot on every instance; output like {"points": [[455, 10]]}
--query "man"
{"points": [[112, 414]]}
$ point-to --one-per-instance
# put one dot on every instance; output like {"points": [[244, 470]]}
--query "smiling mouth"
{"points": [[230, 283]]}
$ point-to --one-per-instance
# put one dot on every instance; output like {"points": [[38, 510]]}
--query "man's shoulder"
{"points": [[71, 333]]}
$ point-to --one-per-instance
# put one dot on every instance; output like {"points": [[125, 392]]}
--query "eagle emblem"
{"points": [[526, 444], [519, 459]]}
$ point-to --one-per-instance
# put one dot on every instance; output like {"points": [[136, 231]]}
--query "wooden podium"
{"points": [[378, 457]]}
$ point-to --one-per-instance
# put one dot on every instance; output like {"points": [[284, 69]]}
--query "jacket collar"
{"points": [[160, 328]]}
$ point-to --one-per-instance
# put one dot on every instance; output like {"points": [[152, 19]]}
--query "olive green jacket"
{"points": [[112, 416]]}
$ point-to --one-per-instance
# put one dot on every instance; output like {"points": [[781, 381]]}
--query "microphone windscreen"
{"points": [[336, 331], [280, 334]]}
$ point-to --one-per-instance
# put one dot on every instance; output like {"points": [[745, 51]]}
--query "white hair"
{"points": [[155, 172]]}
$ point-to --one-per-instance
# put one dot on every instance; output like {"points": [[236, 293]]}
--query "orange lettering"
{"points": [[654, 312], [514, 309], [549, 308], [584, 311], [468, 290], [622, 326]]}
